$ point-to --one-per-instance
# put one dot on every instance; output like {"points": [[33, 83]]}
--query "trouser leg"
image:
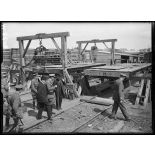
{"points": [[41, 108], [60, 101], [33, 103], [57, 99], [123, 109], [49, 111], [115, 108], [7, 119]]}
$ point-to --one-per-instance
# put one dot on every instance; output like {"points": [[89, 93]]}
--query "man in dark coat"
{"points": [[85, 85], [51, 89], [58, 90], [118, 97], [42, 98]]}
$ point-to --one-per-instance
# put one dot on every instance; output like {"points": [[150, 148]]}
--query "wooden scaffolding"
{"points": [[63, 50]]}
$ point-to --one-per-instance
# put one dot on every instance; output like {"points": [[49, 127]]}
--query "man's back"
{"points": [[42, 93], [118, 90]]}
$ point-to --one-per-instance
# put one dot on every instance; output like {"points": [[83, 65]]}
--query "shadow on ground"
{"points": [[28, 105], [32, 113]]}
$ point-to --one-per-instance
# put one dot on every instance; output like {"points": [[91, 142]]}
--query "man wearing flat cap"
{"points": [[118, 97]]}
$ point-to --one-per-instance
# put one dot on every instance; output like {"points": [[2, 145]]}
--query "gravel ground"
{"points": [[69, 120]]}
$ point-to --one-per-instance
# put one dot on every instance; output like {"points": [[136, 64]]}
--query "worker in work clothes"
{"points": [[42, 98], [34, 85], [118, 97], [4, 84], [14, 108], [85, 85], [51, 89], [59, 92]]}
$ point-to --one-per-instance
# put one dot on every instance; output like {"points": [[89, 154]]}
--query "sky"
{"points": [[130, 35]]}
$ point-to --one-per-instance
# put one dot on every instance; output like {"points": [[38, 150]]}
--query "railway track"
{"points": [[69, 121]]}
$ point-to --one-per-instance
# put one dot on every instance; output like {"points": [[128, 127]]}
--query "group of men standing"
{"points": [[46, 91]]}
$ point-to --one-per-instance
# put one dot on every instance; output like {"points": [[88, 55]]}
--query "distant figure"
{"points": [[14, 108], [59, 92], [42, 98], [34, 85], [118, 97]]}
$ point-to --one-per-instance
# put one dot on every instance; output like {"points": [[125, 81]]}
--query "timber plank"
{"points": [[139, 92], [147, 92]]}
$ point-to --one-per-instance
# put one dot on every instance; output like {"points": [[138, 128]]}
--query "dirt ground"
{"points": [[76, 114], [71, 119]]}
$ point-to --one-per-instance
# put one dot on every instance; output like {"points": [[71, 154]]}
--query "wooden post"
{"points": [[139, 92], [147, 93], [56, 45], [26, 49], [113, 52], [79, 48], [21, 52], [64, 52], [66, 74]]}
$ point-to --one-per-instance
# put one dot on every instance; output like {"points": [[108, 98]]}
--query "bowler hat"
{"points": [[123, 75], [19, 86], [12, 84], [51, 75]]}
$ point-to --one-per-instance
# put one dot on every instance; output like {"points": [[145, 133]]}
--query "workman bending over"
{"points": [[14, 108], [118, 97]]}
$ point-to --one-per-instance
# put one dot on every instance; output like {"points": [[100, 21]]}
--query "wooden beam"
{"points": [[113, 52], [84, 48], [44, 36], [105, 45], [139, 92], [147, 93], [28, 44], [66, 74], [56, 45], [64, 51], [79, 48], [21, 51], [97, 41]]}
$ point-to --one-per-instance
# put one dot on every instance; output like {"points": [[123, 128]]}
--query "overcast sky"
{"points": [[129, 35]]}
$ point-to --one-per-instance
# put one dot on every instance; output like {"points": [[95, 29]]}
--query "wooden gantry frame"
{"points": [[63, 51], [98, 41]]}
